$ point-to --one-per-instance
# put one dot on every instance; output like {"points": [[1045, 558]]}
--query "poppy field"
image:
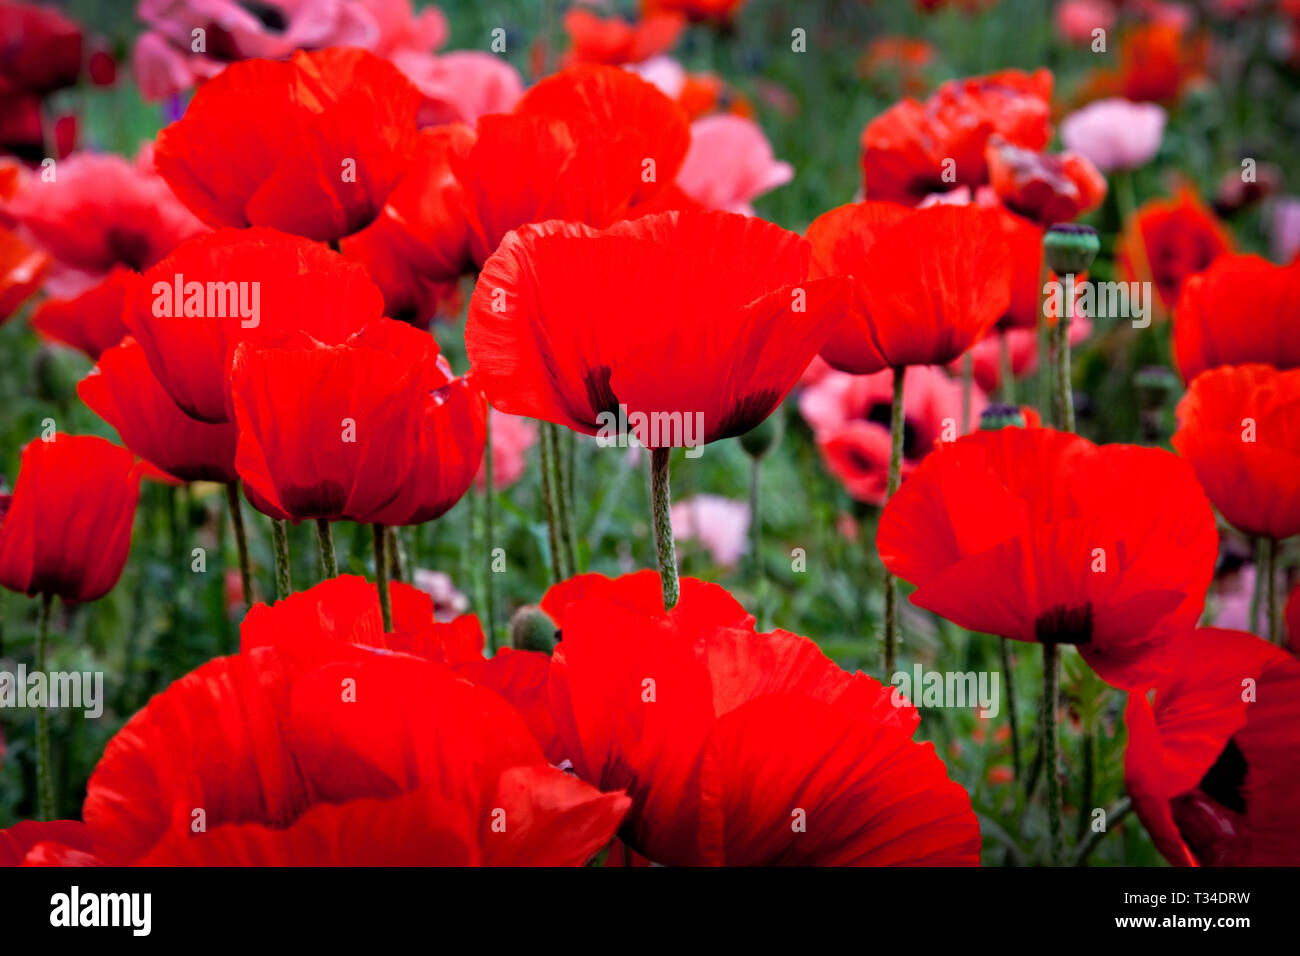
{"points": [[662, 433]]}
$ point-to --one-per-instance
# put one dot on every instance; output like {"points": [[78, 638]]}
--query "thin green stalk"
{"points": [[396, 554], [549, 495], [1089, 774], [896, 423], [489, 542], [1051, 748], [381, 577], [325, 537], [241, 541], [44, 767], [967, 387], [756, 575], [1257, 592], [567, 459], [1005, 370], [1009, 676], [1118, 811], [283, 578], [661, 515], [1061, 331], [1270, 572]]}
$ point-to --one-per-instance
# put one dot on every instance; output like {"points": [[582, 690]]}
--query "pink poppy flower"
{"points": [[461, 85], [1115, 133], [512, 436], [720, 524], [730, 163]]}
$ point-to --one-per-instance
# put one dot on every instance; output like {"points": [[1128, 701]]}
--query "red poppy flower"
{"points": [[1239, 427], [40, 49], [1045, 187], [615, 41], [123, 391], [1038, 535], [66, 529], [407, 764], [689, 349], [1168, 240], [22, 270], [1025, 240], [409, 295], [313, 146], [927, 283], [188, 314], [389, 436], [91, 321], [587, 144], [20, 839], [715, 10], [1239, 310], [914, 149], [742, 748], [1211, 765], [103, 211], [1157, 60]]}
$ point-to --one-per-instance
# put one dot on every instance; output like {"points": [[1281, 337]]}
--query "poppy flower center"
{"points": [[131, 249], [270, 16], [1064, 625], [1223, 780]]}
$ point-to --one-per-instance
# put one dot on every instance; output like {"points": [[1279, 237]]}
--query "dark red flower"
{"points": [[123, 391], [927, 283], [66, 529], [1038, 535], [188, 312], [743, 748], [1211, 765], [914, 149], [1045, 187], [389, 436], [40, 49], [92, 320], [1239, 428], [312, 146], [588, 145], [717, 319], [1168, 240], [1239, 310], [614, 41], [345, 756]]}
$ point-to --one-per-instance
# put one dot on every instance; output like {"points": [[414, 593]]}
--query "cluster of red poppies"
{"points": [[242, 295]]}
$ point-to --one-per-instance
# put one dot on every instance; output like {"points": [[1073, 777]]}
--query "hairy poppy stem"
{"points": [[566, 459], [485, 559], [1270, 570], [967, 385], [1061, 331], [325, 536], [1010, 678], [895, 477], [381, 577], [241, 541], [756, 538], [283, 578], [661, 513], [396, 555], [1257, 592], [549, 493], [1051, 748], [1005, 371], [44, 768]]}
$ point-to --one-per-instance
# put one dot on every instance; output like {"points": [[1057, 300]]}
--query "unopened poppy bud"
{"points": [[532, 630], [763, 437], [1070, 248], [998, 415]]}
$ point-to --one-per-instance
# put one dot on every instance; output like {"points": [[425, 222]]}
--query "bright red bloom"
{"points": [[1045, 187], [587, 145], [1168, 240], [409, 295], [715, 10], [914, 149], [615, 41], [717, 319], [415, 767], [1157, 60], [22, 270], [1239, 310], [123, 391], [1038, 535], [388, 437], [187, 313], [1211, 766], [66, 529], [726, 740], [1239, 427], [927, 283], [312, 147], [40, 49], [19, 840], [91, 321], [103, 211]]}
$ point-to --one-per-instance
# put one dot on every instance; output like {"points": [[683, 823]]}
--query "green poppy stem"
{"points": [[1061, 332], [967, 387], [44, 767], [550, 499], [241, 540], [1009, 675], [381, 577], [325, 537], [1051, 748], [1270, 573], [896, 423], [756, 573], [283, 577], [661, 515]]}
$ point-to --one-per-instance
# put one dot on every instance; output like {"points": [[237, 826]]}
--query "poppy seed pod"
{"points": [[1001, 416], [1070, 248], [532, 630]]}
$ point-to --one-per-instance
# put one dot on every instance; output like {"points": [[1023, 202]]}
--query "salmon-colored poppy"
{"points": [[912, 308], [66, 529], [1168, 240], [312, 146], [123, 391], [192, 309], [1239, 427], [1039, 535], [22, 270], [1211, 764], [717, 317], [1238, 311]]}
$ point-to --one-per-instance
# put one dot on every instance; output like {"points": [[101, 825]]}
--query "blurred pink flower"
{"points": [[460, 85], [1115, 133], [986, 354], [1284, 228], [719, 524], [448, 603], [664, 72], [512, 436], [1230, 596], [730, 163], [1076, 19], [401, 28], [849, 417]]}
